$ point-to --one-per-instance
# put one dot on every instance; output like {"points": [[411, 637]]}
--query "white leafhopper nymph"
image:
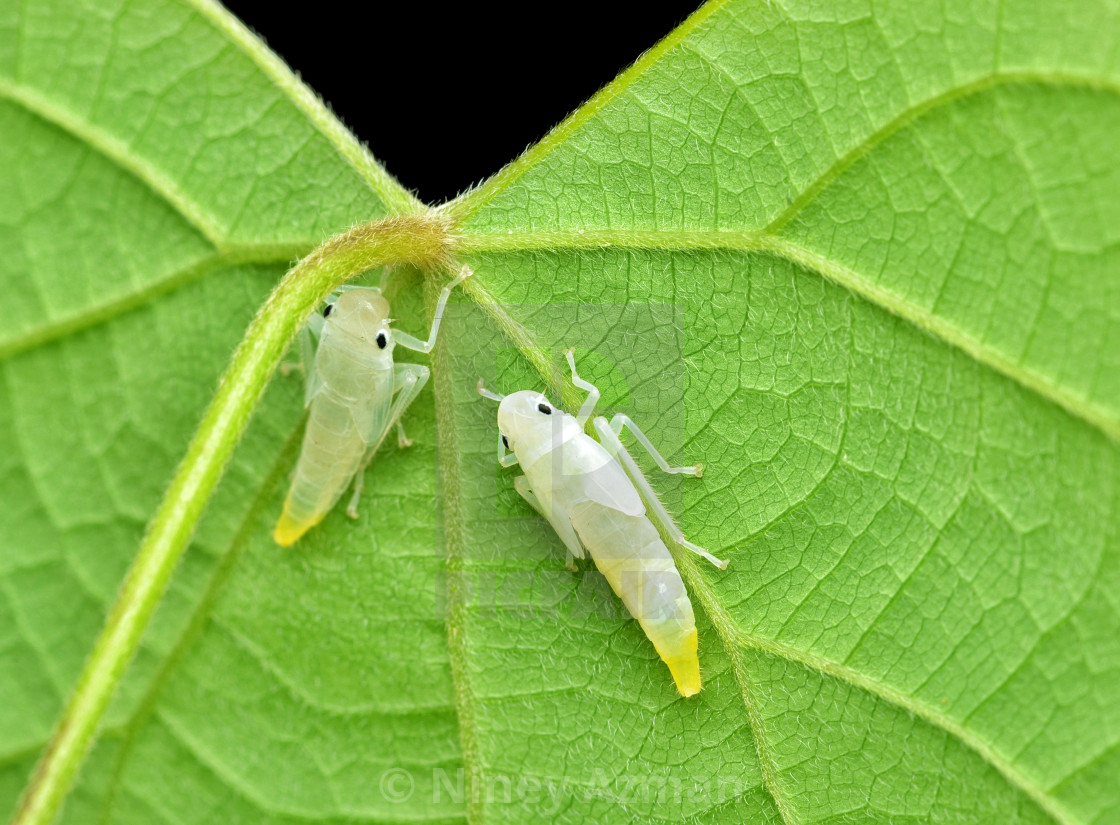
{"points": [[589, 492], [356, 395]]}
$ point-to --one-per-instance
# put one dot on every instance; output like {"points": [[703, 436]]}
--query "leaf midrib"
{"points": [[732, 637]]}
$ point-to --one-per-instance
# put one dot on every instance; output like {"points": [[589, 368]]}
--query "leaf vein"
{"points": [[119, 154], [397, 199], [1097, 416], [472, 200], [232, 781], [912, 113], [199, 616], [453, 517], [101, 313], [734, 638]]}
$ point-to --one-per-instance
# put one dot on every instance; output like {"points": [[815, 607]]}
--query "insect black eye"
{"points": [[544, 408], [505, 442], [327, 310], [381, 340]]}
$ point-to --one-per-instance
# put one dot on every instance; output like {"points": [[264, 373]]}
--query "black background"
{"points": [[444, 97]]}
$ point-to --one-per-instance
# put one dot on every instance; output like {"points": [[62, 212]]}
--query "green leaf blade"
{"points": [[1019, 210], [858, 262], [929, 486], [175, 92], [150, 148], [922, 484]]}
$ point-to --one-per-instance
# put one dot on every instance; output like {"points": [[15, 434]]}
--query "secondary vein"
{"points": [[912, 113], [471, 201], [734, 639], [100, 313], [397, 199], [117, 151], [1096, 415], [201, 614]]}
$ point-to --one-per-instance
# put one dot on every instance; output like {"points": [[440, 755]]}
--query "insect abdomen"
{"points": [[630, 554], [332, 451]]}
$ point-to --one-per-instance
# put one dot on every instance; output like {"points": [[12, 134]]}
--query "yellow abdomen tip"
{"points": [[685, 665], [687, 676], [288, 530]]}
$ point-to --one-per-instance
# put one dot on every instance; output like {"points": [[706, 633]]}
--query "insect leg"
{"points": [[622, 420], [402, 438], [305, 355], [561, 524], [505, 457], [521, 485], [588, 406], [411, 342], [313, 382], [349, 287], [408, 380], [309, 333], [359, 485], [657, 510]]}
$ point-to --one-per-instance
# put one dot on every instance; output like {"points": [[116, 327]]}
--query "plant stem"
{"points": [[419, 240]]}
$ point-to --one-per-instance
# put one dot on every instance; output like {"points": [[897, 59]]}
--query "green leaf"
{"points": [[859, 261]]}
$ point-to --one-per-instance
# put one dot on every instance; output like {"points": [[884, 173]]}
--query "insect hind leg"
{"points": [[408, 381], [350, 287], [657, 510], [313, 382], [588, 407], [621, 421], [303, 341], [403, 440]]}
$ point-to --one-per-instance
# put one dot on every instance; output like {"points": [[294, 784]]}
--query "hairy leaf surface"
{"points": [[858, 259]]}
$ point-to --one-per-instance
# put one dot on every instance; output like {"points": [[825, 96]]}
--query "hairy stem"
{"points": [[420, 240]]}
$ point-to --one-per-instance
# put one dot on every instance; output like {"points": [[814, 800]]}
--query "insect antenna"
{"points": [[485, 393]]}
